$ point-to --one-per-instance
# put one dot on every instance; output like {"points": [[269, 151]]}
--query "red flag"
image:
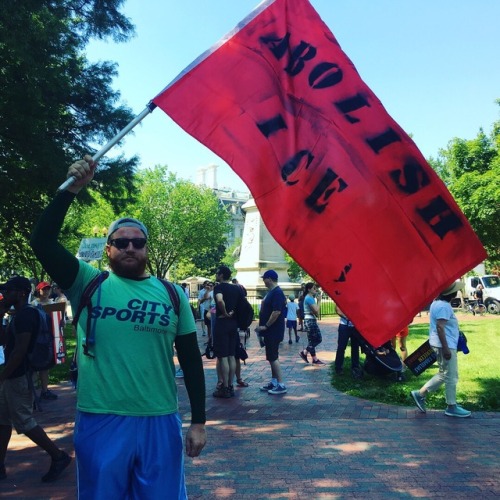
{"points": [[338, 183]]}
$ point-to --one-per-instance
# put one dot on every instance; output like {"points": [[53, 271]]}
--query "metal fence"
{"points": [[327, 306]]}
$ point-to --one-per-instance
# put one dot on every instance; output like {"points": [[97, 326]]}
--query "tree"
{"points": [[471, 170], [80, 222], [186, 223], [55, 105], [203, 264], [295, 272]]}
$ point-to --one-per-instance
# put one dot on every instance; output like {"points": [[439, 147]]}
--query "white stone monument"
{"points": [[260, 252]]}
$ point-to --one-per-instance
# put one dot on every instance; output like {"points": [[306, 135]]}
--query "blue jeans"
{"points": [[346, 333]]}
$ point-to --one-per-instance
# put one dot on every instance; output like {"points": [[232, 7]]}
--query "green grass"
{"points": [[478, 386]]}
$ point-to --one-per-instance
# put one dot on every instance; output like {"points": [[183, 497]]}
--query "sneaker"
{"points": [[3, 472], [179, 373], [231, 390], [297, 338], [318, 362], [279, 389], [303, 356], [56, 468], [457, 411], [290, 342], [48, 394], [268, 387], [223, 392], [419, 401]]}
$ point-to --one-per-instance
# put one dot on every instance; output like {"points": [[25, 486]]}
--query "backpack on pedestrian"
{"points": [[41, 356], [244, 313], [41, 353]]}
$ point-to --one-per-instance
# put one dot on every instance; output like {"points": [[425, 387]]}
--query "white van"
{"points": [[491, 290]]}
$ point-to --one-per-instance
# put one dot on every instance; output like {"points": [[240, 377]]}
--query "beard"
{"points": [[128, 266]]}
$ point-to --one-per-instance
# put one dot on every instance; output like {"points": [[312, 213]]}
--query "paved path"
{"points": [[313, 443]]}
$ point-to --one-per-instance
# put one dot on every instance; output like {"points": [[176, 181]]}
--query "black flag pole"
{"points": [[117, 138]]}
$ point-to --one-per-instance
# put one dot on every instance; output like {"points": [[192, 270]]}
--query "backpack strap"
{"points": [[86, 302], [173, 294]]}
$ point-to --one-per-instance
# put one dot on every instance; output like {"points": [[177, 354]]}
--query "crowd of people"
{"points": [[128, 335]]}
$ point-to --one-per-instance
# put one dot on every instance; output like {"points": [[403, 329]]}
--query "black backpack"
{"points": [[244, 313], [41, 355]]}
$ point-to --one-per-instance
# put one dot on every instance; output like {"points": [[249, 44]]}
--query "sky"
{"points": [[435, 66]]}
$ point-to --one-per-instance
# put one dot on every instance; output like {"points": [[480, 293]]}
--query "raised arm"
{"points": [[59, 263], [189, 357]]}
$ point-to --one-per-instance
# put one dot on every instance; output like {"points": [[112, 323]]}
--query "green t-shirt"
{"points": [[132, 371]]}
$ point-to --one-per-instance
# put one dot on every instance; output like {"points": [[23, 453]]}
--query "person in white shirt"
{"points": [[291, 318], [443, 338]]}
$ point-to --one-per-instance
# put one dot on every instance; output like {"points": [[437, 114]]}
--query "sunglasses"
{"points": [[123, 243]]}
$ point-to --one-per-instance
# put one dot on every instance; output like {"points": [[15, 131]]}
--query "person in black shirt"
{"points": [[225, 335], [479, 295], [16, 394]]}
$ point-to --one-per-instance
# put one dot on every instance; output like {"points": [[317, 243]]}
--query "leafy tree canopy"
{"points": [[186, 223], [55, 105], [471, 170]]}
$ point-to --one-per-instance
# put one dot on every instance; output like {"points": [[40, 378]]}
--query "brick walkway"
{"points": [[312, 443]]}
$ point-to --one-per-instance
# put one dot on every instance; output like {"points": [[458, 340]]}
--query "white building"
{"points": [[231, 199]]}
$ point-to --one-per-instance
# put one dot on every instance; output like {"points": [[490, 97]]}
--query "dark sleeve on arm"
{"points": [[60, 264], [189, 357]]}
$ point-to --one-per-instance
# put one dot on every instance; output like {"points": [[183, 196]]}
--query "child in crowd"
{"points": [[291, 318]]}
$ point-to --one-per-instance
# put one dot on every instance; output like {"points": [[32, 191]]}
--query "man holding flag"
{"points": [[128, 438]]}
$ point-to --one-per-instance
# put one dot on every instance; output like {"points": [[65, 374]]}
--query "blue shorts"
{"points": [[122, 457], [291, 323]]}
